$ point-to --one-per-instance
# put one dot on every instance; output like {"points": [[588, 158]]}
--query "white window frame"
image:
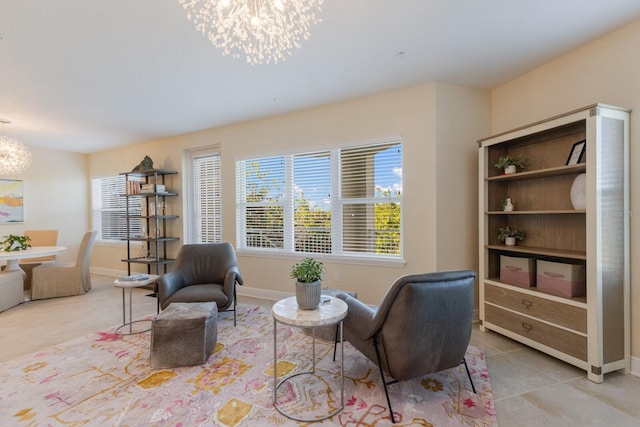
{"points": [[336, 201], [108, 196], [193, 199]]}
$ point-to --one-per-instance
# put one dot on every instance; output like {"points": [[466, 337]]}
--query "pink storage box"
{"points": [[518, 271], [565, 280]]}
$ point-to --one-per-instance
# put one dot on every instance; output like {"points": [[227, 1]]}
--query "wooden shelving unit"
{"points": [[590, 332], [152, 214]]}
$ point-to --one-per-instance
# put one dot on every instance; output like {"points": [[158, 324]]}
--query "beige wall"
{"points": [[56, 196], [463, 118], [410, 113], [606, 70]]}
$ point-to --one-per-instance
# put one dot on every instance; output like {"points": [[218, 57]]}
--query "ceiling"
{"points": [[89, 75]]}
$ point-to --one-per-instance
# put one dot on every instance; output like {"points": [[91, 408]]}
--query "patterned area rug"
{"points": [[105, 379]]}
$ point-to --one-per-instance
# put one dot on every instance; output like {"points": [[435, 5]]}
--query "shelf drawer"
{"points": [[559, 339], [565, 315]]}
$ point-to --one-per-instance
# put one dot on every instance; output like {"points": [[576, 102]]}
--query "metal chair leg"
{"points": [[335, 344], [235, 305], [473, 387], [384, 383]]}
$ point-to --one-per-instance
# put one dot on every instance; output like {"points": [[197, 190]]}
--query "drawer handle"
{"points": [[527, 327], [526, 303]]}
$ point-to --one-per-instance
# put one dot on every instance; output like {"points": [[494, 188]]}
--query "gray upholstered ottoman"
{"points": [[184, 334], [328, 333]]}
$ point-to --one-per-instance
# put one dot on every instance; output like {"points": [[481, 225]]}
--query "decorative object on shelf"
{"points": [[145, 165], [509, 235], [263, 31], [13, 243], [308, 274], [509, 164], [507, 206], [579, 192], [577, 151], [15, 157]]}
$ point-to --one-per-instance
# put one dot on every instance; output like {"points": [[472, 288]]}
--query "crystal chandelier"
{"points": [[262, 30], [14, 155]]}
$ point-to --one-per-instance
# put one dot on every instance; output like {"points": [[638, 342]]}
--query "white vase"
{"points": [[510, 169], [508, 206], [510, 241], [579, 192], [308, 294]]}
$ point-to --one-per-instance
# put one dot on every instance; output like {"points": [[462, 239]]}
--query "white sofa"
{"points": [[11, 289]]}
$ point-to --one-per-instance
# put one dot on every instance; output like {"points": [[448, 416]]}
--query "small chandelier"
{"points": [[14, 155], [262, 30]]}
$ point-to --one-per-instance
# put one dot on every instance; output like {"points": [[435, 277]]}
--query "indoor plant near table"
{"points": [[13, 243], [308, 274], [509, 235], [509, 164]]}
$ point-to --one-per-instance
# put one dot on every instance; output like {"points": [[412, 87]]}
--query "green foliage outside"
{"points": [[312, 224]]}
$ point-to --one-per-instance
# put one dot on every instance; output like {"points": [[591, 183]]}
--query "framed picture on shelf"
{"points": [[577, 152]]}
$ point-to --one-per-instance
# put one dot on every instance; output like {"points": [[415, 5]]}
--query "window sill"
{"points": [[116, 243], [336, 259]]}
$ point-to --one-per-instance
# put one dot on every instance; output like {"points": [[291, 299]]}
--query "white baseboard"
{"points": [[108, 272], [635, 366], [262, 293]]}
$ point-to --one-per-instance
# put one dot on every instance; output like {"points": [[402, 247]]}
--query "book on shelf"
{"points": [[134, 277], [133, 187], [153, 188]]}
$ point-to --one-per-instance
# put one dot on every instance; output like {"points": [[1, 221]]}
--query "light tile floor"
{"points": [[529, 388]]}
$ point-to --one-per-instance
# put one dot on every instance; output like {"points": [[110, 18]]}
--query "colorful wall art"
{"points": [[11, 200]]}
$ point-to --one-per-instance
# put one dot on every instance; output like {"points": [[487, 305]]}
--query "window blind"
{"points": [[206, 212], [109, 208], [344, 201]]}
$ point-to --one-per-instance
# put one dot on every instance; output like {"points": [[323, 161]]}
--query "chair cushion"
{"points": [[200, 293]]}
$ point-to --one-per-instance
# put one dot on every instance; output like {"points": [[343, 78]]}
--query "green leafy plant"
{"points": [[15, 243], [308, 270], [505, 161], [504, 232]]}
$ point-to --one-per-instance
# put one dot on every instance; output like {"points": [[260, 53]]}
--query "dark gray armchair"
{"points": [[203, 273], [422, 326]]}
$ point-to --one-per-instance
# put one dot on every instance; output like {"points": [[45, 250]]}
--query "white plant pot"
{"points": [[510, 241], [308, 294], [510, 169]]}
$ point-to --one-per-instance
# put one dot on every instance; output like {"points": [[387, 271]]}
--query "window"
{"points": [[343, 201], [205, 206], [109, 207]]}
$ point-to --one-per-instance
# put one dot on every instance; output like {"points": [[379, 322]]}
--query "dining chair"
{"points": [[59, 279], [38, 238]]}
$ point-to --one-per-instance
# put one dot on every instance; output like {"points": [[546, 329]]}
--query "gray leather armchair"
{"points": [[204, 272], [423, 325]]}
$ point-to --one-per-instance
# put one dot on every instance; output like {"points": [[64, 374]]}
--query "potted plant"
{"points": [[509, 164], [15, 243], [509, 235], [308, 274]]}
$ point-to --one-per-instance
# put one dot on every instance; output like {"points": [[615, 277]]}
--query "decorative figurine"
{"points": [[144, 165]]}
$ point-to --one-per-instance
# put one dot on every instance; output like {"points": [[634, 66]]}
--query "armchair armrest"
{"points": [[168, 284], [231, 276], [361, 318]]}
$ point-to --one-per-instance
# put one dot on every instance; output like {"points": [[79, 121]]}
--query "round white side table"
{"points": [[130, 284], [286, 311]]}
